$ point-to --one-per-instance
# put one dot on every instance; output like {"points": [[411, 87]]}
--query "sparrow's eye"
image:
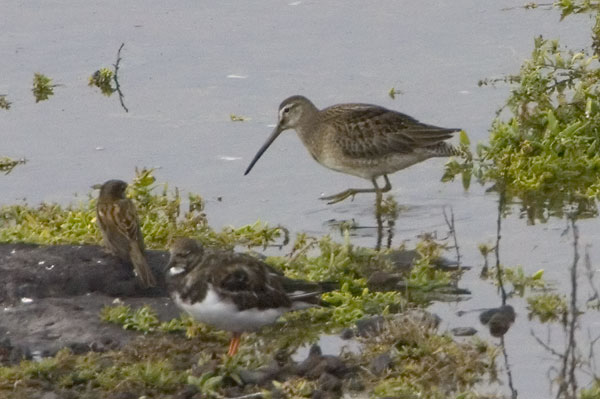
{"points": [[286, 110]]}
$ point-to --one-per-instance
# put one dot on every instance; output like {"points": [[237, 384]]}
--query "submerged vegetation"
{"points": [[4, 103], [103, 79], [544, 146], [43, 88], [107, 80], [8, 164]]}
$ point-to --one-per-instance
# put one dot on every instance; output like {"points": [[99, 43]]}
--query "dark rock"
{"points": [[369, 327], [322, 394], [51, 297], [355, 384], [68, 394], [463, 331], [499, 324], [419, 316], [317, 364], [498, 320], [126, 395], [404, 260], [252, 377], [35, 271], [10, 355], [277, 393], [381, 281], [186, 392], [275, 370], [329, 382], [347, 333], [381, 363], [318, 394], [49, 324], [486, 315], [78, 347]]}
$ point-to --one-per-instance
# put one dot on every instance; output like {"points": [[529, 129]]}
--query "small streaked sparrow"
{"points": [[118, 221]]}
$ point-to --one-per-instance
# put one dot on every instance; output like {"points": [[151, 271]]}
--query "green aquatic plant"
{"points": [[547, 307], [464, 168], [4, 103], [107, 80], [544, 146], [143, 319], [160, 214], [546, 153], [42, 87], [569, 7], [8, 164], [519, 280], [237, 118], [394, 92], [103, 79], [425, 363], [592, 392]]}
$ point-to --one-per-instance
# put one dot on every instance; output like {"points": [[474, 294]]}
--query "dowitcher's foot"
{"points": [[335, 198], [351, 192]]}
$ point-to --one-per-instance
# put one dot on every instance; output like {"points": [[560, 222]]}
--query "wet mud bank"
{"points": [[51, 297]]}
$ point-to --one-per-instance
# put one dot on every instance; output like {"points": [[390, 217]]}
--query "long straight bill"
{"points": [[276, 132]]}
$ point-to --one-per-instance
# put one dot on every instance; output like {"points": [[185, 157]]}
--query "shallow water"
{"points": [[188, 65]]}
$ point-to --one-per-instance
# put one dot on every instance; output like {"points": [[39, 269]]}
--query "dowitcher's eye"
{"points": [[286, 110]]}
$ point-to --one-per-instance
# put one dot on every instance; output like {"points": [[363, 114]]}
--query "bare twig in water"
{"points": [[590, 274], [297, 252], [574, 311], [116, 78], [452, 232], [546, 346], [567, 387], [501, 203], [286, 238], [390, 232], [508, 370], [530, 6]]}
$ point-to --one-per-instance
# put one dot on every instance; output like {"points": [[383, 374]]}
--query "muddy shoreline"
{"points": [[51, 297]]}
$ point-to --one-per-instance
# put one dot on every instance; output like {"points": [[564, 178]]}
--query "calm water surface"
{"points": [[188, 65]]}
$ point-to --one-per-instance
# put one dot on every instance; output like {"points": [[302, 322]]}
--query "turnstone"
{"points": [[233, 291], [118, 221], [363, 140]]}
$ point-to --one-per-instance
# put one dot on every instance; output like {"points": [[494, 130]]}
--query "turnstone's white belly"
{"points": [[223, 314]]}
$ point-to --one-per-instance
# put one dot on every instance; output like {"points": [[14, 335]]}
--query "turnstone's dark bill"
{"points": [[233, 291], [118, 221], [363, 140]]}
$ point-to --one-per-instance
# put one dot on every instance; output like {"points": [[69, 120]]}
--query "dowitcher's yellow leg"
{"points": [[351, 192]]}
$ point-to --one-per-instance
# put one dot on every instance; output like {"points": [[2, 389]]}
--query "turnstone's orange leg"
{"points": [[234, 344]]}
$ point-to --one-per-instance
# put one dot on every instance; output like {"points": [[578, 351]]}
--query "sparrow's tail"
{"points": [[140, 266]]}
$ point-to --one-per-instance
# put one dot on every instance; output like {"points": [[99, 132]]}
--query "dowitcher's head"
{"points": [[293, 112]]}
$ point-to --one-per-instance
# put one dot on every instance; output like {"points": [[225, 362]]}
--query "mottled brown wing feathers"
{"points": [[366, 131], [127, 221], [247, 281], [122, 234]]}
